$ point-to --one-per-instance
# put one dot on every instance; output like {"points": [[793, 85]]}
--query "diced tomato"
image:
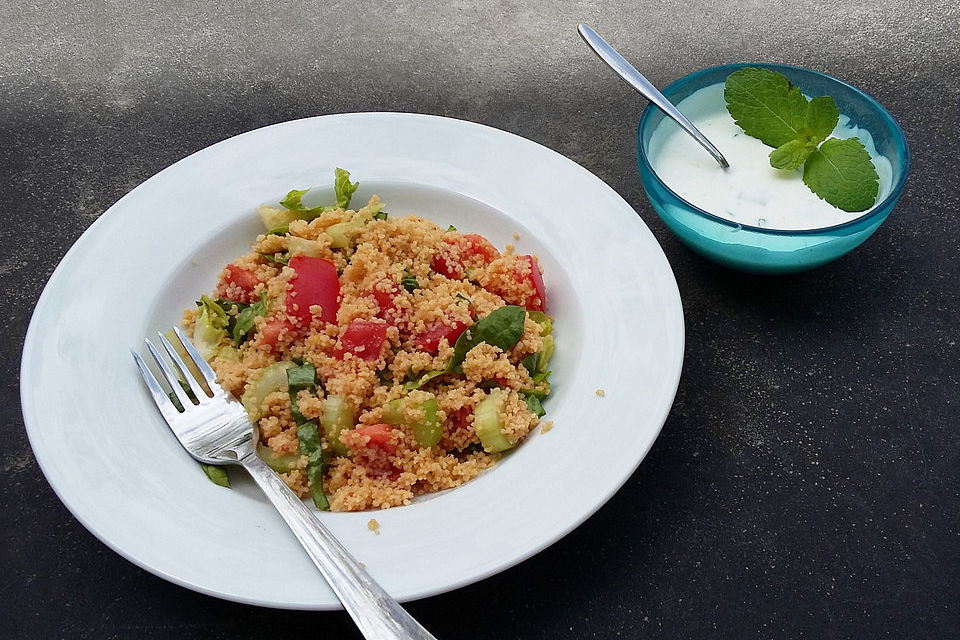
{"points": [[363, 338], [446, 261], [477, 245], [379, 436], [245, 279], [453, 256], [458, 419], [271, 331], [429, 339], [537, 301], [385, 292], [316, 283]]}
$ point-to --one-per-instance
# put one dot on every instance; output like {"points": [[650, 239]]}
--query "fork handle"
{"points": [[376, 614]]}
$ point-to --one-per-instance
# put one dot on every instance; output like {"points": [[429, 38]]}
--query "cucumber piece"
{"points": [[486, 422], [427, 430], [274, 218], [279, 462], [229, 353], [337, 416], [544, 360], [273, 378], [543, 320], [302, 247], [338, 232]]}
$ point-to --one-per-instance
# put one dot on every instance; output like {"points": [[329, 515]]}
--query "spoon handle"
{"points": [[636, 80]]}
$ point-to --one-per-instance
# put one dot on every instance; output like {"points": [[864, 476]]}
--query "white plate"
{"points": [[109, 456]]}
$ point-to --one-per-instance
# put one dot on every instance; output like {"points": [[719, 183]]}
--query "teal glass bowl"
{"points": [[772, 251]]}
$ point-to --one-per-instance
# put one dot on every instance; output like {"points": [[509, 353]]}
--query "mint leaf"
{"points": [[791, 155], [765, 105], [821, 119], [841, 173]]}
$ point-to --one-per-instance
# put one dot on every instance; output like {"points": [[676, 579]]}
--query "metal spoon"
{"points": [[636, 80]]}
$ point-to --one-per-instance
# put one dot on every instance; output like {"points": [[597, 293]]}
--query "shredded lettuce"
{"points": [[343, 187], [210, 327]]}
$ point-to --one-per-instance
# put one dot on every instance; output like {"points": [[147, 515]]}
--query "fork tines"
{"points": [[183, 383]]}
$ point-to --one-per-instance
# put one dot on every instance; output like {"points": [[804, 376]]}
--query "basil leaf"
{"points": [[502, 328], [298, 379], [409, 282], [217, 474], [308, 435], [534, 405], [530, 363], [410, 385]]}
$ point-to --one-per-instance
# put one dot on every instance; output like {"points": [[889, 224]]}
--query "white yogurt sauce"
{"points": [[750, 191]]}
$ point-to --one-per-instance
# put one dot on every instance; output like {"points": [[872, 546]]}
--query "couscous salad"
{"points": [[378, 357]]}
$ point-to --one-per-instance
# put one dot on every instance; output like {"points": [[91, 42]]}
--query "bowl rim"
{"points": [[875, 211]]}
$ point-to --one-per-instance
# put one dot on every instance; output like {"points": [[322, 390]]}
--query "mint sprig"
{"points": [[768, 107], [841, 173]]}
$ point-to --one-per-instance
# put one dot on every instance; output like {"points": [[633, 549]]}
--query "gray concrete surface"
{"points": [[807, 482]]}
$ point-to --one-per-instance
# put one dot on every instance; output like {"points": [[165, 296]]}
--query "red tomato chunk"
{"points": [[316, 283], [385, 292], [429, 339], [363, 338], [271, 331], [379, 436], [471, 249], [537, 301], [244, 279]]}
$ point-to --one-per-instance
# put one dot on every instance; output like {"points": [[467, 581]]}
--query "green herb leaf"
{"points": [[534, 405], [244, 321], [309, 436], [841, 173], [766, 105], [217, 474], [416, 383], [791, 155], [502, 328], [300, 378], [530, 363], [409, 282], [343, 188], [380, 215], [277, 258], [451, 228], [821, 119]]}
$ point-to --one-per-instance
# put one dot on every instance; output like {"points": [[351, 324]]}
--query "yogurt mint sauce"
{"points": [[750, 191]]}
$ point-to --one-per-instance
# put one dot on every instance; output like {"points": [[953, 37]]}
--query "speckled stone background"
{"points": [[807, 482]]}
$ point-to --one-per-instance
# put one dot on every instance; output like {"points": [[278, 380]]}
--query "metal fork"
{"points": [[216, 430]]}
